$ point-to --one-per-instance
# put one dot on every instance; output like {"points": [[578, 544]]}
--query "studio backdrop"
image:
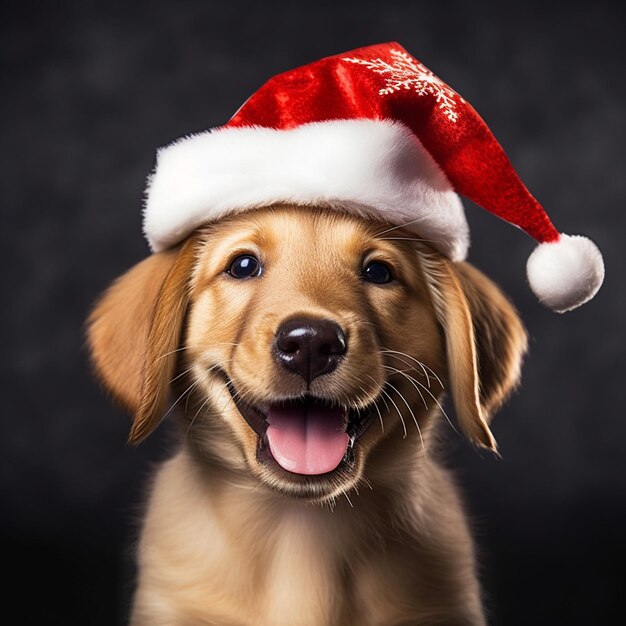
{"points": [[90, 90]]}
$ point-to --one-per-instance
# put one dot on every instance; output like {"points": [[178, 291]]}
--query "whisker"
{"points": [[367, 482], [394, 354], [193, 419], [206, 373], [210, 397], [411, 379], [384, 392], [443, 411], [180, 397], [181, 374], [415, 221], [424, 367], [433, 373], [436, 400], [406, 239], [171, 352], [214, 367], [408, 406], [417, 382], [382, 397], [380, 417]]}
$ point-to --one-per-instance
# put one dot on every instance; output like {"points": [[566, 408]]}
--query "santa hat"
{"points": [[371, 132]]}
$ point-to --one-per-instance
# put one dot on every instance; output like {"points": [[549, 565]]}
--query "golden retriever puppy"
{"points": [[304, 354]]}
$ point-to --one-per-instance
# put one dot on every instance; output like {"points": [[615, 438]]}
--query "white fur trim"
{"points": [[372, 168], [566, 273]]}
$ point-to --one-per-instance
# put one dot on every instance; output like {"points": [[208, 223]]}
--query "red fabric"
{"points": [[383, 82]]}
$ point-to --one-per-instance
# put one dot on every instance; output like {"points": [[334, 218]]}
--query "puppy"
{"points": [[304, 354]]}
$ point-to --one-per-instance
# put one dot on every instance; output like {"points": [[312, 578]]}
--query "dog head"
{"points": [[305, 347]]}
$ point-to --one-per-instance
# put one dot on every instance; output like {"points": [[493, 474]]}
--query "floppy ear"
{"points": [[135, 329], [485, 343]]}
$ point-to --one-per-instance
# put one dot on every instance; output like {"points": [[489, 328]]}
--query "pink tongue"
{"points": [[307, 438]]}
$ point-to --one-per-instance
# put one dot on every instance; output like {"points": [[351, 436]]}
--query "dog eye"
{"points": [[245, 266], [377, 272]]}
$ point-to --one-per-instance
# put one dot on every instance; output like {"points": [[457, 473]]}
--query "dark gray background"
{"points": [[89, 91]]}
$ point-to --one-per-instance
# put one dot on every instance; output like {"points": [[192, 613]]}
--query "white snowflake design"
{"points": [[405, 72]]}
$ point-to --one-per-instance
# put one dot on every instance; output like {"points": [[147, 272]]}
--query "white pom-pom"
{"points": [[566, 273]]}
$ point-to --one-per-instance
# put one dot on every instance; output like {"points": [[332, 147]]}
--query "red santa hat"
{"points": [[371, 132]]}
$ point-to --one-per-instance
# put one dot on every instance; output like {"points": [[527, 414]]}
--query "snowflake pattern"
{"points": [[405, 72]]}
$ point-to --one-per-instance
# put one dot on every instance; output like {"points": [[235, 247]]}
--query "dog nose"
{"points": [[309, 347]]}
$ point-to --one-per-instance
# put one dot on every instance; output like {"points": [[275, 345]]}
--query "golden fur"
{"points": [[232, 540]]}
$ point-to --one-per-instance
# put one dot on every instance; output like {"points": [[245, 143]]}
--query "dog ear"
{"points": [[485, 343], [135, 329]]}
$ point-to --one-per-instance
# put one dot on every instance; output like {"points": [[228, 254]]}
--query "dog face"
{"points": [[305, 346], [300, 331]]}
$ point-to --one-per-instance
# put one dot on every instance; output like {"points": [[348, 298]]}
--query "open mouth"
{"points": [[308, 436]]}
